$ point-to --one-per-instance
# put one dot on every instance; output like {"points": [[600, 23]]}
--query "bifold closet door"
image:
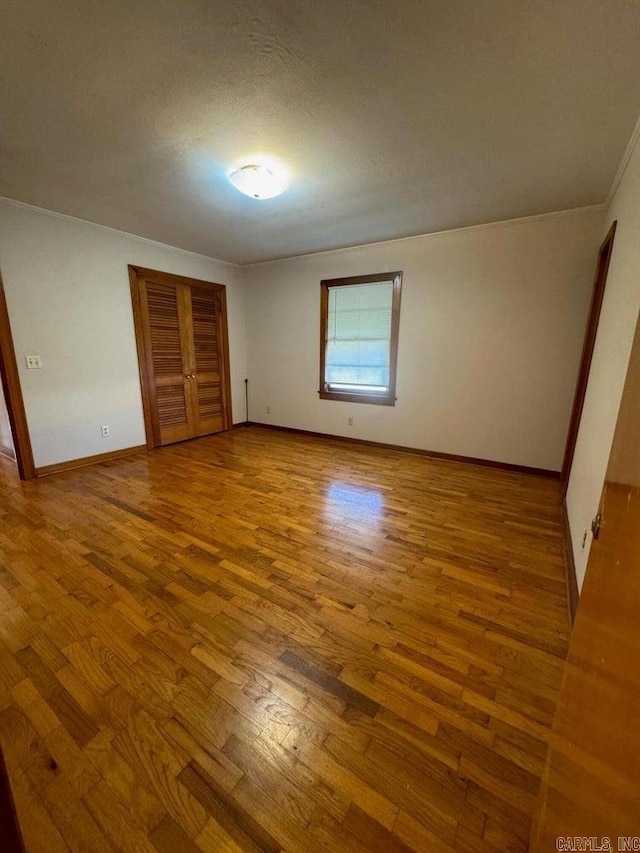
{"points": [[167, 315], [184, 328], [206, 385]]}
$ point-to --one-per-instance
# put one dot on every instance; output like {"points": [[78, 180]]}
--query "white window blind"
{"points": [[358, 345]]}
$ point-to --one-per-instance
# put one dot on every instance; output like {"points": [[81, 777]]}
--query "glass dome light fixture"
{"points": [[257, 181]]}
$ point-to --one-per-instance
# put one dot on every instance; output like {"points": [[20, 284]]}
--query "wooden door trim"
{"points": [[144, 354], [602, 269], [591, 781], [227, 414], [13, 395], [145, 362], [172, 279], [10, 831], [571, 576]]}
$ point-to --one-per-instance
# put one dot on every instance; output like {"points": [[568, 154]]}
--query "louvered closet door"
{"points": [[207, 387], [167, 312]]}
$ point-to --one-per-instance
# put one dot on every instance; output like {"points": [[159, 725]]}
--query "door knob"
{"points": [[595, 525]]}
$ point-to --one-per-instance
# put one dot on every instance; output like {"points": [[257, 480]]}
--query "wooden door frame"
{"points": [[145, 360], [602, 268], [13, 395], [590, 786]]}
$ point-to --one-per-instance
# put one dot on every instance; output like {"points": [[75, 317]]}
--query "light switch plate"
{"points": [[34, 362]]}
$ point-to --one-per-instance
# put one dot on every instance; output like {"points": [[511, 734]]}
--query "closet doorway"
{"points": [[183, 355]]}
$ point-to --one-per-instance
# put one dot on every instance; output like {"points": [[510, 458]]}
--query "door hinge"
{"points": [[596, 524]]}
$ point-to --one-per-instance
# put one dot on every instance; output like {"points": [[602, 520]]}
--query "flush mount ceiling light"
{"points": [[257, 181]]}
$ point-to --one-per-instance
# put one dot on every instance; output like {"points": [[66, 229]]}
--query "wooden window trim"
{"points": [[388, 399]]}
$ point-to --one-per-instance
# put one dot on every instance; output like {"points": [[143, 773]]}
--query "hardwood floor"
{"points": [[260, 642]]}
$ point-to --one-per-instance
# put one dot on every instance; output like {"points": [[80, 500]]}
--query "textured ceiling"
{"points": [[395, 117]]}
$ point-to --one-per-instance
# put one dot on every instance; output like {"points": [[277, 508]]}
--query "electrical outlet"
{"points": [[34, 362], [349, 421], [268, 410], [105, 431]]}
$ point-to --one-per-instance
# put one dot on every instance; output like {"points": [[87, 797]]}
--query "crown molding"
{"points": [[626, 157], [148, 241], [521, 220]]}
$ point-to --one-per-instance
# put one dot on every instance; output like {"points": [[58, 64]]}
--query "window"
{"points": [[359, 319]]}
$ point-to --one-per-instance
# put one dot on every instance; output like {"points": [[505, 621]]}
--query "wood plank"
{"points": [[234, 819], [276, 664], [332, 685]]}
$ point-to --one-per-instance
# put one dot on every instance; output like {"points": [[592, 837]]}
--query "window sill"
{"points": [[350, 397]]}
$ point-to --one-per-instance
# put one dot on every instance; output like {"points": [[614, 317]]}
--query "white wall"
{"points": [[68, 295], [491, 330], [610, 359]]}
